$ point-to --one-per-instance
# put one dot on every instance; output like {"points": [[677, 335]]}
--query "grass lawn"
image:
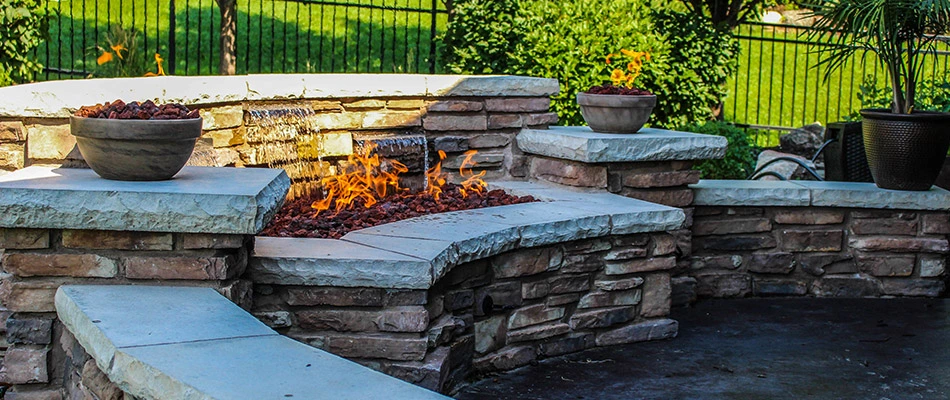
{"points": [[273, 36]]}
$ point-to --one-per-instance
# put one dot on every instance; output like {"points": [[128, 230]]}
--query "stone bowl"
{"points": [[135, 150], [616, 113]]}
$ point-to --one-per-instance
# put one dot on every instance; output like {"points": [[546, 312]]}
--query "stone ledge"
{"points": [[197, 200], [415, 253], [817, 194], [192, 343], [59, 99], [749, 193], [867, 195], [579, 143]]}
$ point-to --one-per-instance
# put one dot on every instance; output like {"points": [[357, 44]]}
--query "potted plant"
{"points": [[136, 142], [617, 106], [905, 147]]}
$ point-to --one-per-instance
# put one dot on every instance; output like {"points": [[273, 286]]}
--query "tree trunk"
{"points": [[227, 64]]}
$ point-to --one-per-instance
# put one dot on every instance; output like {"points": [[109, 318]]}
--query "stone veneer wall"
{"points": [[492, 314], [819, 251], [454, 113], [42, 358], [661, 182]]}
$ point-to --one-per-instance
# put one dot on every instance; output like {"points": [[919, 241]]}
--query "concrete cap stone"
{"points": [[441, 253], [815, 193], [197, 200], [331, 262], [59, 99], [709, 192], [192, 343], [580, 143], [627, 215], [868, 195], [415, 253], [111, 317], [273, 367], [475, 237]]}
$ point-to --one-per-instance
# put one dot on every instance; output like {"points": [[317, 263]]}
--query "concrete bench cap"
{"points": [[162, 342]]}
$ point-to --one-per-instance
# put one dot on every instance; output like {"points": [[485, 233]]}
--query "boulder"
{"points": [[803, 141]]}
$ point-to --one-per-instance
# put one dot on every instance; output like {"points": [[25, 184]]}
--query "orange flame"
{"points": [[435, 178], [366, 181], [473, 183]]}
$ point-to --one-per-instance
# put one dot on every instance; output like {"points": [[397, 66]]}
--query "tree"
{"points": [[227, 61], [23, 27], [726, 13]]}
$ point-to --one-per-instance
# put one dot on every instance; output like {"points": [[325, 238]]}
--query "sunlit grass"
{"points": [[777, 83], [273, 36]]}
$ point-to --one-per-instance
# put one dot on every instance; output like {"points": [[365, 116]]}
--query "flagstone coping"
{"points": [[415, 253]]}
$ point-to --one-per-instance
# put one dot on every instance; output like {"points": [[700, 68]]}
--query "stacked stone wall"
{"points": [[231, 137], [41, 359], [661, 182], [814, 251], [490, 315]]}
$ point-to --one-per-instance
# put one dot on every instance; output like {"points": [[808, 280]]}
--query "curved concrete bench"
{"points": [[192, 343], [415, 253]]}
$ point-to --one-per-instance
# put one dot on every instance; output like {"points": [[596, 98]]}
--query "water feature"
{"points": [[288, 136]]}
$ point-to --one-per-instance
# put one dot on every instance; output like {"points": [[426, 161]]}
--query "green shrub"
{"points": [[22, 28], [569, 40], [932, 95], [702, 58], [740, 158], [482, 37]]}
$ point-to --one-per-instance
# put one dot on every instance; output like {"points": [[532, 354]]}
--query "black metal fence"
{"points": [[778, 86], [272, 35]]}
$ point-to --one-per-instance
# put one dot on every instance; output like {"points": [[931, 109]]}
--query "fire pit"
{"points": [[369, 194]]}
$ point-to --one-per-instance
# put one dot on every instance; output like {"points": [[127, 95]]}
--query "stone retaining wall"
{"points": [[320, 120], [825, 252], [825, 239], [491, 314], [40, 359]]}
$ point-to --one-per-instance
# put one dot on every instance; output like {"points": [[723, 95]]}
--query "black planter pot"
{"points": [[905, 151]]}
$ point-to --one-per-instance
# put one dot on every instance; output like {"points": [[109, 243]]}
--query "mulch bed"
{"points": [[297, 219]]}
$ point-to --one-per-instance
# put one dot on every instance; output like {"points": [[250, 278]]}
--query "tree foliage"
{"points": [[726, 14], [899, 32], [741, 154], [23, 26], [569, 40]]}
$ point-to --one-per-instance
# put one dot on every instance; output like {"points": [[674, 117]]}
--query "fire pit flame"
{"points": [[368, 180], [473, 183], [435, 178]]}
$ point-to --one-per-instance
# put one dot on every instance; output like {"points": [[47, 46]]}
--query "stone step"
{"points": [[192, 343]]}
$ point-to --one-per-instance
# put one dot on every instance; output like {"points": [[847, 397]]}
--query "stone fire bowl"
{"points": [[135, 150], [615, 113]]}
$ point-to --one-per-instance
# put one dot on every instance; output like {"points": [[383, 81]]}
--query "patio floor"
{"points": [[759, 349]]}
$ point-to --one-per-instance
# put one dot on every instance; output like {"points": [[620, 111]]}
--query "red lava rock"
{"points": [[611, 89], [298, 219], [146, 110]]}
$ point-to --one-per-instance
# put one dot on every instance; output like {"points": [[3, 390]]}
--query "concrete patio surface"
{"points": [[759, 349]]}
